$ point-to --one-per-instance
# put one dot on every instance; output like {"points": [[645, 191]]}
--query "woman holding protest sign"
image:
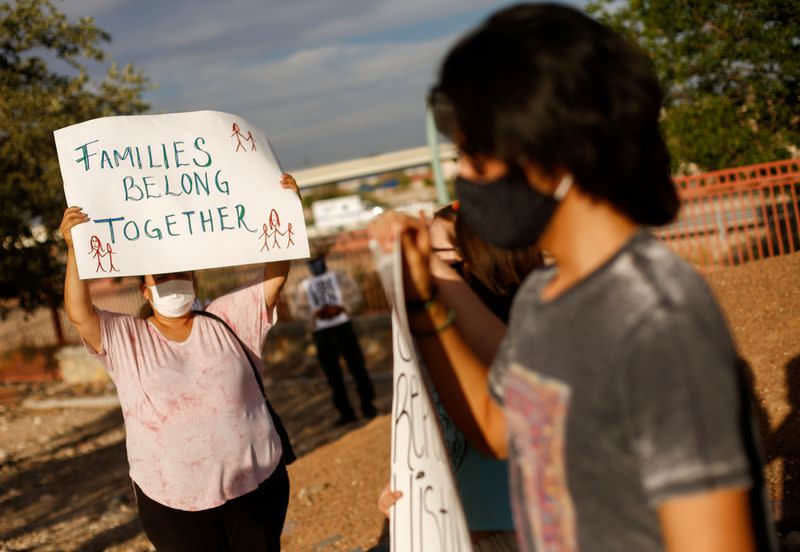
{"points": [[207, 454], [617, 392], [478, 281]]}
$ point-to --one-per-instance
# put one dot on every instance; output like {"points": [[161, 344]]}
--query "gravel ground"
{"points": [[64, 481], [762, 303], [63, 473]]}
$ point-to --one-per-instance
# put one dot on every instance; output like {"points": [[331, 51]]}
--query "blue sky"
{"points": [[327, 80]]}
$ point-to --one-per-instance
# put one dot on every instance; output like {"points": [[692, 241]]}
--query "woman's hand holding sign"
{"points": [[77, 299], [387, 499], [459, 375], [73, 216], [416, 244], [289, 183]]}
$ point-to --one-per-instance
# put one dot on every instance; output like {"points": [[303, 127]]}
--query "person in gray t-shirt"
{"points": [[617, 393], [622, 393]]}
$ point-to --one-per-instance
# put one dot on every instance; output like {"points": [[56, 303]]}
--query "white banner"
{"points": [[429, 516], [174, 192]]}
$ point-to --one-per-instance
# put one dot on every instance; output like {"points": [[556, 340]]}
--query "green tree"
{"points": [[730, 70], [35, 100]]}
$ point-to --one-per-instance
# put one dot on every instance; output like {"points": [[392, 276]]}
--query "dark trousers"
{"points": [[251, 522], [341, 339]]}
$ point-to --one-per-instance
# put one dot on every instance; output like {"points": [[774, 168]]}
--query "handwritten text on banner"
{"points": [[175, 192], [429, 516]]}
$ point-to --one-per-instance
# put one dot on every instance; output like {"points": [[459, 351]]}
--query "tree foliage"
{"points": [[45, 85], [730, 70]]}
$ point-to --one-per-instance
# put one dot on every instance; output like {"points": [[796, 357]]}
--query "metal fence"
{"points": [[37, 329], [737, 215], [728, 217]]}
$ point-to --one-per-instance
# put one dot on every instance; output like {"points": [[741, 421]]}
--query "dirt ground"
{"points": [[63, 473], [64, 481], [762, 303]]}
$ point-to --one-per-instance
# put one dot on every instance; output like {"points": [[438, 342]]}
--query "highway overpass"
{"points": [[368, 166]]}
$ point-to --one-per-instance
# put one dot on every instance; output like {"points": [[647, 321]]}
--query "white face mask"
{"points": [[173, 298]]}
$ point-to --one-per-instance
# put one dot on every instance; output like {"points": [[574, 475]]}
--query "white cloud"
{"points": [[326, 79], [391, 14], [318, 94], [235, 25]]}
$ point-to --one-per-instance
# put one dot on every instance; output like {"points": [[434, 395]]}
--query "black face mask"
{"points": [[507, 212]]}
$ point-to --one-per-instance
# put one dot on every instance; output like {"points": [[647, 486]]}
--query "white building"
{"points": [[342, 213]]}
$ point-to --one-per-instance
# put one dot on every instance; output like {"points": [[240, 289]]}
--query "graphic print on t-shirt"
{"points": [[324, 290], [536, 413]]}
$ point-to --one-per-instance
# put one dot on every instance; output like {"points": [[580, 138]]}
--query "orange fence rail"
{"points": [[737, 215]]}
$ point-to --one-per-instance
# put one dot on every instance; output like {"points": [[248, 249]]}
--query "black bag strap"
{"points": [[288, 452]]}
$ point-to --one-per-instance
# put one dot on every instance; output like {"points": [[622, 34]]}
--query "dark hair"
{"points": [[448, 214], [548, 85], [500, 270], [145, 311]]}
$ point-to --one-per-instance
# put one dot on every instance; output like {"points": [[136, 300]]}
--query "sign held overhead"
{"points": [[175, 192]]}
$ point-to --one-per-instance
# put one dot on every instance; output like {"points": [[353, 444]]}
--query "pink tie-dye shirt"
{"points": [[197, 429]]}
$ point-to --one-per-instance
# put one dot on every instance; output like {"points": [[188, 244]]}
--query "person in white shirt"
{"points": [[324, 297]]}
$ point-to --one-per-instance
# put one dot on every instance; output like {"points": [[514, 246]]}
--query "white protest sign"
{"points": [[429, 516], [174, 192]]}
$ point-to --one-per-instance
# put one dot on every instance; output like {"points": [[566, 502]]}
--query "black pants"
{"points": [[341, 339], [251, 522]]}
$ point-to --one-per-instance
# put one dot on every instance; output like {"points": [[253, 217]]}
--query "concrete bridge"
{"points": [[368, 166]]}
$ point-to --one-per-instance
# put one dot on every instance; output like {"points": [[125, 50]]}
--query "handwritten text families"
{"points": [[175, 192], [153, 172]]}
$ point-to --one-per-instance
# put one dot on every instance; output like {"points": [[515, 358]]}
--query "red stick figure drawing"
{"points": [[251, 140], [96, 251], [265, 234], [274, 219], [275, 226], [110, 252], [289, 231], [239, 136]]}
